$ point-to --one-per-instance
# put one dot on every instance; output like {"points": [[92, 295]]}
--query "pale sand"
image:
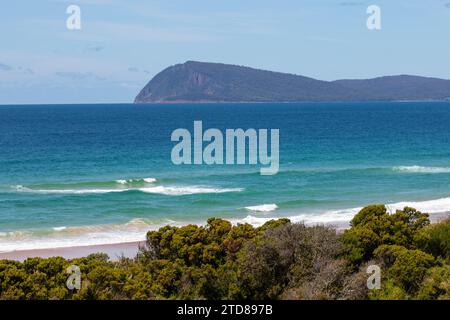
{"points": [[114, 251], [439, 217]]}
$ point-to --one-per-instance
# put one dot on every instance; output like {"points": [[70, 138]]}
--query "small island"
{"points": [[194, 82]]}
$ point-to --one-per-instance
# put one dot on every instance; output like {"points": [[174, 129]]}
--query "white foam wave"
{"points": [[164, 190], [69, 191], [180, 190], [342, 217], [263, 207], [129, 181], [420, 169], [429, 206], [59, 228]]}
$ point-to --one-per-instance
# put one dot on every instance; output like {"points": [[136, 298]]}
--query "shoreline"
{"points": [[129, 249], [114, 251]]}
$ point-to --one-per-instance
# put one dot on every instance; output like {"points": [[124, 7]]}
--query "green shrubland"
{"points": [[279, 260]]}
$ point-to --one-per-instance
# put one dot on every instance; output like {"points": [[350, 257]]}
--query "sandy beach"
{"points": [[127, 249], [114, 251]]}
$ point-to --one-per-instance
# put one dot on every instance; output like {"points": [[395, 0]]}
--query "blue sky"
{"points": [[123, 43]]}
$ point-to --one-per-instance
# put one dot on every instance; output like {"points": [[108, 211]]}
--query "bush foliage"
{"points": [[279, 260]]}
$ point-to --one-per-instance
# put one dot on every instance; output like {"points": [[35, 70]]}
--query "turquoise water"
{"points": [[62, 167]]}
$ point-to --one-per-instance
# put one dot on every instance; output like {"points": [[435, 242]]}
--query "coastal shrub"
{"points": [[388, 291], [435, 239], [326, 284], [198, 262], [104, 283], [197, 245], [374, 226], [35, 279], [12, 276], [278, 260], [287, 256], [436, 285], [405, 267]]}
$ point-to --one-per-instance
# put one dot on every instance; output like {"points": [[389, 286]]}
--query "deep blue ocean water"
{"points": [[62, 166]]}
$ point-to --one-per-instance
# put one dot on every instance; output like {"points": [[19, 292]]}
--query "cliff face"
{"points": [[213, 82]]}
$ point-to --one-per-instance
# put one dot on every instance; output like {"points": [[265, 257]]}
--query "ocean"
{"points": [[73, 175]]}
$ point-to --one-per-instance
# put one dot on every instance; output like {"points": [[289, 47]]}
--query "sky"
{"points": [[122, 44]]}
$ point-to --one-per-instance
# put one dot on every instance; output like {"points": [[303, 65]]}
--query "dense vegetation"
{"points": [[279, 260]]}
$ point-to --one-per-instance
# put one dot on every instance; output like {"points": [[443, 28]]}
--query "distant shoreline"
{"points": [[287, 102], [216, 102]]}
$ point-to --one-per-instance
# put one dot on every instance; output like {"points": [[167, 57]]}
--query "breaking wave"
{"points": [[163, 190], [180, 191], [263, 208], [420, 169], [131, 181], [342, 217]]}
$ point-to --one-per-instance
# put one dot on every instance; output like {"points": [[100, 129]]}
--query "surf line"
{"points": [[190, 149]]}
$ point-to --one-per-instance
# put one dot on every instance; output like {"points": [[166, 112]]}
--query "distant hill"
{"points": [[215, 82]]}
